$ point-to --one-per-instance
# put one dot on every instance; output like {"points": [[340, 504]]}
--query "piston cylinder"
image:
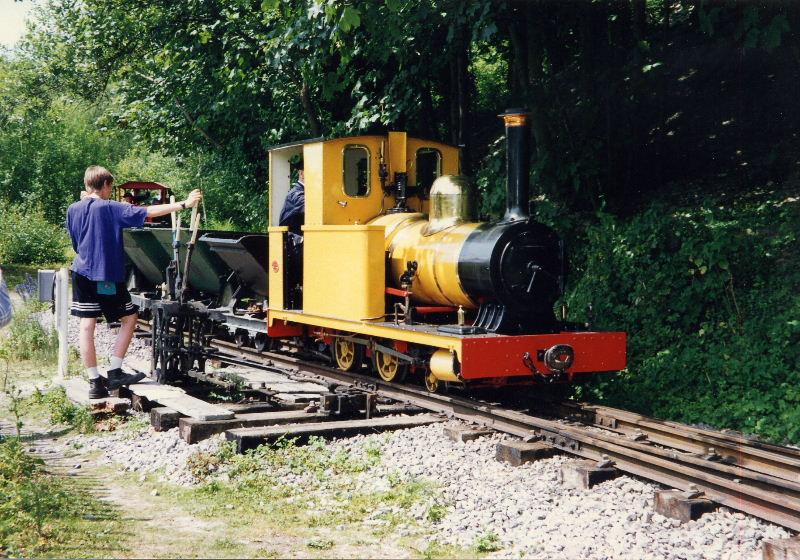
{"points": [[443, 366]]}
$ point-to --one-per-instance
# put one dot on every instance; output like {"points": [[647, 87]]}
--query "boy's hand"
{"points": [[194, 198]]}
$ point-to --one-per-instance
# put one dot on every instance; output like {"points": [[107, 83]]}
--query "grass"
{"points": [[434, 549], [44, 515]]}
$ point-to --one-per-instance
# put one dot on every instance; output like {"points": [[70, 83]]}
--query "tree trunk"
{"points": [[639, 19], [460, 88], [308, 107]]}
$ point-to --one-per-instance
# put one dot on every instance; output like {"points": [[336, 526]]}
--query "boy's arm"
{"points": [[163, 209]]}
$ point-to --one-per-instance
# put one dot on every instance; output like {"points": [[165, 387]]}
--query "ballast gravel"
{"points": [[535, 517], [525, 508], [143, 451]]}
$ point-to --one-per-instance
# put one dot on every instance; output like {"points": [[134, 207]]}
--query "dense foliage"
{"points": [[708, 295], [627, 97], [26, 237]]}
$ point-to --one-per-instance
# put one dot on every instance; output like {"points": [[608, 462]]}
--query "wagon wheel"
{"points": [[264, 343], [389, 367], [347, 355], [242, 339]]}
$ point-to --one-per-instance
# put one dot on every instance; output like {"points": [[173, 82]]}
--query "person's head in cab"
{"points": [[296, 167]]}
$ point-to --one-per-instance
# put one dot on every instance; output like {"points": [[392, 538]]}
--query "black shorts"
{"points": [[86, 302]]}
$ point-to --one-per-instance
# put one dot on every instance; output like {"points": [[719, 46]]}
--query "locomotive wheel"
{"points": [[390, 368], [431, 383], [347, 355]]}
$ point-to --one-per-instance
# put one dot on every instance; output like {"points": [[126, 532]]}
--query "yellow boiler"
{"points": [[434, 244]]}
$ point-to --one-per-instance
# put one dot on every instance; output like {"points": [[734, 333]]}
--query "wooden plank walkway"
{"points": [[191, 406], [175, 398], [266, 380], [77, 390], [249, 438]]}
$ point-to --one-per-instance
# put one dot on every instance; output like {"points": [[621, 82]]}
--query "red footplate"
{"points": [[505, 356]]}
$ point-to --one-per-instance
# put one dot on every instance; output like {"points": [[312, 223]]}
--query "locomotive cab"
{"points": [[348, 183]]}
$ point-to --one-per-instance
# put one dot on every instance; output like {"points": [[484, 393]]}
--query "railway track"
{"points": [[756, 478], [753, 477]]}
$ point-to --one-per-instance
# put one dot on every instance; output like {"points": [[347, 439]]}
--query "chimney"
{"points": [[517, 160]]}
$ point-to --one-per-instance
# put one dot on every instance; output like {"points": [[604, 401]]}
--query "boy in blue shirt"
{"points": [[95, 226]]}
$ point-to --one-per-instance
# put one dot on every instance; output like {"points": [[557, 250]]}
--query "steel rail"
{"points": [[768, 497], [734, 449]]}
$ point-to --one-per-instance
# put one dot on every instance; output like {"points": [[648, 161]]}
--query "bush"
{"points": [[708, 296], [26, 237]]}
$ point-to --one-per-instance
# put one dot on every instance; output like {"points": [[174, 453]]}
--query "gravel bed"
{"points": [[532, 515], [140, 449]]}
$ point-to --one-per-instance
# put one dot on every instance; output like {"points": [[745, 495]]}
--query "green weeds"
{"points": [[41, 514], [320, 544], [25, 339], [435, 549], [488, 542], [62, 411], [436, 513], [248, 487]]}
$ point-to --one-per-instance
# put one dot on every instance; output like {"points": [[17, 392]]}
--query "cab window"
{"points": [[356, 170], [429, 167]]}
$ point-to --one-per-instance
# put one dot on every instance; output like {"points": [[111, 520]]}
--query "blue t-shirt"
{"points": [[95, 226]]}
